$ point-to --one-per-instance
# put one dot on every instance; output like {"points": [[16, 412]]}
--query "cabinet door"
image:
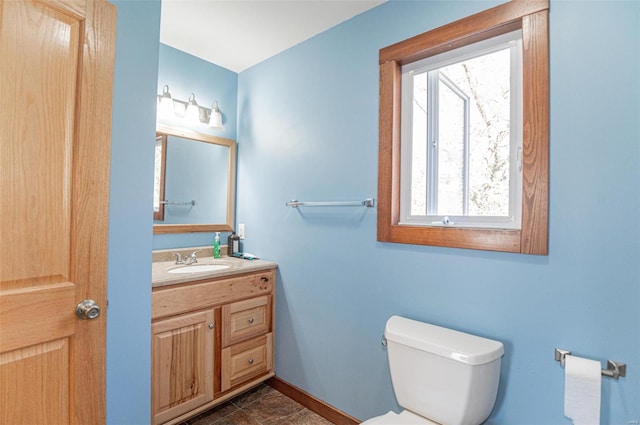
{"points": [[182, 369]]}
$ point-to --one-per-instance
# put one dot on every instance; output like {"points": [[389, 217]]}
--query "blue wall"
{"points": [[136, 84], [130, 219], [308, 130], [185, 74]]}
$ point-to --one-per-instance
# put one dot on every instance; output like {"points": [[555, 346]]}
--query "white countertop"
{"points": [[161, 276]]}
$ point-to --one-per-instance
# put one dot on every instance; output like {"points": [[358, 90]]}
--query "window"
{"points": [[460, 160], [463, 158]]}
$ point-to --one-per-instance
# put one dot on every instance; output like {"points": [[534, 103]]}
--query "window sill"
{"points": [[470, 238]]}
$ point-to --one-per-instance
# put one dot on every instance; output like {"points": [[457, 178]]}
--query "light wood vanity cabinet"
{"points": [[211, 340]]}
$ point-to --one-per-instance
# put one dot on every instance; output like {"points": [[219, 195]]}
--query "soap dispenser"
{"points": [[216, 246]]}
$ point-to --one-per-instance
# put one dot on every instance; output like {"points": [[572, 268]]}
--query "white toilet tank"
{"points": [[446, 376]]}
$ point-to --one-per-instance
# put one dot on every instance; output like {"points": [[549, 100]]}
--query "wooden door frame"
{"points": [[91, 187]]}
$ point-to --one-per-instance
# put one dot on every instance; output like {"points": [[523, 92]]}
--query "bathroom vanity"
{"points": [[212, 334]]}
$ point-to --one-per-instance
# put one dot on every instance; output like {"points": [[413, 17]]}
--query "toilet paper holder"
{"points": [[614, 369]]}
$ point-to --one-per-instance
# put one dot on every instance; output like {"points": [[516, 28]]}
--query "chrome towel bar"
{"points": [[192, 202], [614, 369], [369, 202]]}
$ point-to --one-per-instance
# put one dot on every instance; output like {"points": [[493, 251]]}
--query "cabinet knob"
{"points": [[250, 320], [211, 325], [251, 360]]}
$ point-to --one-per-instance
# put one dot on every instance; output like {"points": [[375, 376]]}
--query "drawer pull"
{"points": [[250, 320], [251, 360], [264, 279]]}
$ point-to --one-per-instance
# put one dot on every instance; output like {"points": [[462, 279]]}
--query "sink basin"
{"points": [[199, 268]]}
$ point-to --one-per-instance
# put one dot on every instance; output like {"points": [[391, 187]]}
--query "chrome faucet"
{"points": [[179, 259], [191, 259]]}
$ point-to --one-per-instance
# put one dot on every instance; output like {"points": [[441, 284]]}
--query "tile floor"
{"points": [[260, 406]]}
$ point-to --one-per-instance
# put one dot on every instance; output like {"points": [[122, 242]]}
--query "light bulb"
{"points": [[215, 120], [193, 111], [165, 103]]}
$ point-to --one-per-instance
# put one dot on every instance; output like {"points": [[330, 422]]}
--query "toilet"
{"points": [[440, 376]]}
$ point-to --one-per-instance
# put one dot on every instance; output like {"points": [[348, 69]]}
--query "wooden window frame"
{"points": [[532, 17]]}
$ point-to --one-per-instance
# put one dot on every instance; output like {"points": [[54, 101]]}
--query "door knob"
{"points": [[87, 310]]}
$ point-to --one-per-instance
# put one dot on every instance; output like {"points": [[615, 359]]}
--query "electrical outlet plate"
{"points": [[241, 231]]}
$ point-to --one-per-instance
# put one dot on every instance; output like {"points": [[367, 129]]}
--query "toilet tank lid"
{"points": [[459, 346]]}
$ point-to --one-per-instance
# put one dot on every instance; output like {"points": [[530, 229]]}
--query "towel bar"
{"points": [[192, 202], [369, 202]]}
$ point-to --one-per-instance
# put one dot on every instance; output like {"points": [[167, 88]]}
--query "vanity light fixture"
{"points": [[168, 107]]}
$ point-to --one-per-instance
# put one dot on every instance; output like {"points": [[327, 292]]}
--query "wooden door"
{"points": [[56, 72], [182, 364]]}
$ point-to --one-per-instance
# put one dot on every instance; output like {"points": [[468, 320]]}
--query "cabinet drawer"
{"points": [[177, 299], [246, 360], [245, 319]]}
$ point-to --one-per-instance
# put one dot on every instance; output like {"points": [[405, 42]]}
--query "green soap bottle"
{"points": [[216, 246]]}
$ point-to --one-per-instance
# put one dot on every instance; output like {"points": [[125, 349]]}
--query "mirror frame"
{"points": [[159, 215], [231, 186]]}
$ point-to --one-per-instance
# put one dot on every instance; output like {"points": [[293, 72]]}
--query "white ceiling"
{"points": [[237, 34]]}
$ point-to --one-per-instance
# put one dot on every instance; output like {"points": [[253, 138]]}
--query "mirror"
{"points": [[194, 185]]}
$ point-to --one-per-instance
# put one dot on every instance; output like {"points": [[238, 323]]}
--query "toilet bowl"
{"points": [[440, 376]]}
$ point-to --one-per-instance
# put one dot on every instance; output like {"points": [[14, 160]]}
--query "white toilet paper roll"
{"points": [[582, 382]]}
